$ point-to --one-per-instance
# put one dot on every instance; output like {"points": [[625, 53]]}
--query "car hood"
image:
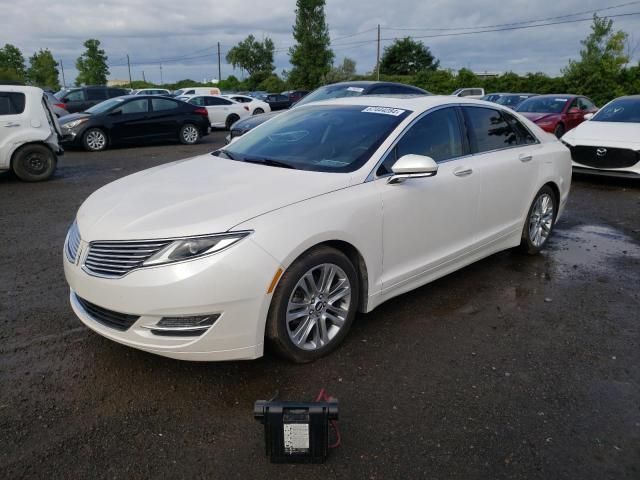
{"points": [[613, 134], [537, 117], [255, 120], [73, 116], [196, 196]]}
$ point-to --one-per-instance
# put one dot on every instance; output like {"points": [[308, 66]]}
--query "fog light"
{"points": [[183, 326]]}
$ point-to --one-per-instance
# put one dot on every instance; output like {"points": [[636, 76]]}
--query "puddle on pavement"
{"points": [[592, 246]]}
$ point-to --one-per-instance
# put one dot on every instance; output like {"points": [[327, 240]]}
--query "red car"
{"points": [[557, 113]]}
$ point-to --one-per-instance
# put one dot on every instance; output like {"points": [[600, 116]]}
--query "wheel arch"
{"points": [[25, 145]]}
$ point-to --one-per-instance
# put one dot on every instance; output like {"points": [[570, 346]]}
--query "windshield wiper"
{"points": [[226, 153], [270, 162]]}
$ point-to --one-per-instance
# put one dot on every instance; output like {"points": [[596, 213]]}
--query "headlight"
{"points": [[188, 248], [75, 123]]}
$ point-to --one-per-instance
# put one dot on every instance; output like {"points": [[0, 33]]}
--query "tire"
{"points": [[94, 140], [189, 134], [559, 131], [34, 163], [258, 111], [231, 119], [540, 220], [313, 307]]}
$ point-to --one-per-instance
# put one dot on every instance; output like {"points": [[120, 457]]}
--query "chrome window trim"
{"points": [[373, 176]]}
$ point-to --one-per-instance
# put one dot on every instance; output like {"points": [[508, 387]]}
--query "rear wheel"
{"points": [[559, 131], [189, 134], [258, 111], [231, 119], [34, 163], [540, 220], [313, 306], [94, 140]]}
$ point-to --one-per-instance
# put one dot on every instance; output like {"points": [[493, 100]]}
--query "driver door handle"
{"points": [[11, 125], [464, 172], [525, 157]]}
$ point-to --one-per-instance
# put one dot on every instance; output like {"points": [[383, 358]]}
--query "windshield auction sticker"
{"points": [[396, 112]]}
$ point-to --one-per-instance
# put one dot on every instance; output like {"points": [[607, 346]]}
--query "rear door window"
{"points": [[216, 101], [96, 94], [12, 103], [488, 130], [162, 104], [136, 106], [75, 96], [525, 137]]}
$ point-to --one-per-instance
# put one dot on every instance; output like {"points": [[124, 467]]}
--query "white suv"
{"points": [[29, 133]]}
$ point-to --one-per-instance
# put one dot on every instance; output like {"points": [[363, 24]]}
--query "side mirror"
{"points": [[588, 116], [412, 166]]}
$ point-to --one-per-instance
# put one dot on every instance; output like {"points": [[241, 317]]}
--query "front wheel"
{"points": [[313, 306], [258, 111], [559, 131], [540, 220], [231, 119], [189, 134], [94, 140], [34, 163]]}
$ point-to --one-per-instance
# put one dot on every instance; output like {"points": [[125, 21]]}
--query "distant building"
{"points": [[486, 74], [117, 83]]}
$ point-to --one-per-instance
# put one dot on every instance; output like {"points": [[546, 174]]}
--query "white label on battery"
{"points": [[296, 437], [396, 112]]}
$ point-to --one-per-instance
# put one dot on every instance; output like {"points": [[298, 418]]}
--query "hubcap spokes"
{"points": [[318, 306], [541, 220], [95, 140], [190, 134]]}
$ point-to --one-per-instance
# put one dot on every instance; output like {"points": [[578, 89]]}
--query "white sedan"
{"points": [[255, 105], [609, 142], [328, 209], [223, 112]]}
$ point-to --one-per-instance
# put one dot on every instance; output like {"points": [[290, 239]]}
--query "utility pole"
{"points": [[378, 55], [129, 67], [219, 71], [143, 79], [161, 82], [64, 82]]}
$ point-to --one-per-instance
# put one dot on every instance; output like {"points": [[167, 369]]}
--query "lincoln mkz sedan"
{"points": [[324, 211]]}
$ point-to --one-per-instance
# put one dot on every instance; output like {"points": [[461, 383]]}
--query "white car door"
{"points": [[12, 122], [429, 223], [507, 158], [219, 109]]}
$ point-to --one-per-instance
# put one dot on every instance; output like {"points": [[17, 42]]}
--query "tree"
{"points": [[311, 56], [12, 63], [43, 70], [92, 65], [407, 57], [343, 72], [272, 83], [601, 63], [253, 56]]}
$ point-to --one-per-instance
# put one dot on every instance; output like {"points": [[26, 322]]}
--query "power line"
{"points": [[515, 23]]}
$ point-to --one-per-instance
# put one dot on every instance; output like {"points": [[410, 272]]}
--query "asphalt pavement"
{"points": [[515, 367]]}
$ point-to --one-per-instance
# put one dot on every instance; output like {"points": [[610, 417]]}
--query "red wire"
{"points": [[322, 395]]}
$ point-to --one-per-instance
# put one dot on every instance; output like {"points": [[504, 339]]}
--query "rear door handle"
{"points": [[524, 158], [11, 125], [463, 172]]}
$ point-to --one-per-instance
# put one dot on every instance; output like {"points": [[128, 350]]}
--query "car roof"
{"points": [[21, 89], [560, 95], [407, 102]]}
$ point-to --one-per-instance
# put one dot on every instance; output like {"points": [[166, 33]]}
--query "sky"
{"points": [[176, 40]]}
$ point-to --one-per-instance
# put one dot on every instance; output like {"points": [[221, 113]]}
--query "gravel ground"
{"points": [[515, 367]]}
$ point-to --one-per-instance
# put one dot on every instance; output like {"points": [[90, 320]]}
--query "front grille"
{"points": [[108, 318], [73, 242], [115, 259], [608, 157]]}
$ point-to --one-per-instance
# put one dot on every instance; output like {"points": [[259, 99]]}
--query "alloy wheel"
{"points": [[190, 134], [318, 306], [96, 140], [541, 220]]}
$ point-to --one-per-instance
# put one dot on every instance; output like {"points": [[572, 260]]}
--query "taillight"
{"points": [[201, 111], [59, 105], [246, 108]]}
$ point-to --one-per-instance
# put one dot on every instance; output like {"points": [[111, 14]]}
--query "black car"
{"points": [[277, 101], [135, 118], [335, 90], [81, 98]]}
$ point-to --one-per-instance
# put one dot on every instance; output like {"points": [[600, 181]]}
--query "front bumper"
{"points": [[232, 283]]}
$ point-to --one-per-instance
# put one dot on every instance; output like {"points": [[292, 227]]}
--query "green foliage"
{"points": [[12, 64], [597, 73], [137, 84], [311, 56], [273, 83], [407, 57], [231, 83], [92, 65], [255, 57], [43, 70], [342, 73]]}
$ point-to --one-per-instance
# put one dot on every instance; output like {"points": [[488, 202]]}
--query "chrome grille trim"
{"points": [[73, 242], [117, 258]]}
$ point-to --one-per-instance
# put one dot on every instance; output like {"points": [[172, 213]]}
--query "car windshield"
{"points": [[331, 91], [625, 110], [323, 138], [179, 92], [543, 105], [511, 100], [105, 106]]}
